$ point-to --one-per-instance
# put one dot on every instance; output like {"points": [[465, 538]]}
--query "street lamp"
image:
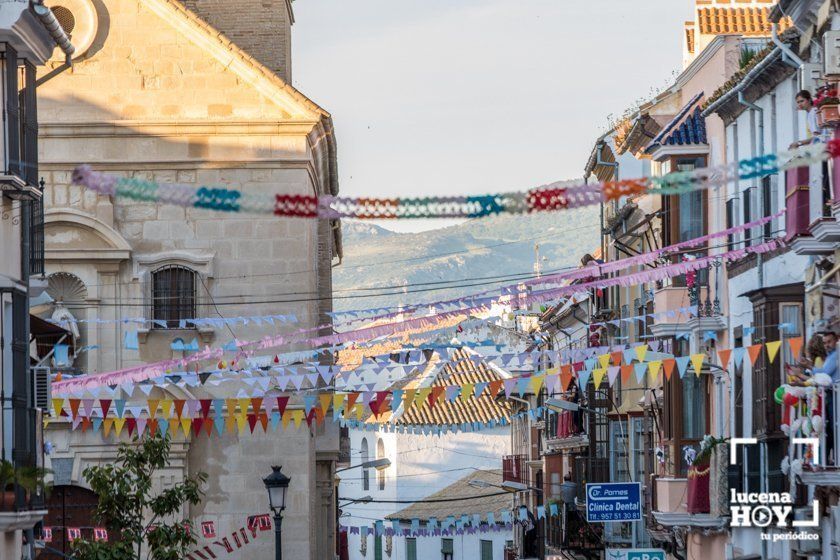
{"points": [[362, 500], [508, 485], [378, 464], [277, 483], [559, 405]]}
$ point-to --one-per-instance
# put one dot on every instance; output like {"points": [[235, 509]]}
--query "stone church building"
{"points": [[195, 92]]}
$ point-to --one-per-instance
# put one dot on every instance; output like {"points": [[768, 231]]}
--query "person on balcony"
{"points": [[804, 102]]}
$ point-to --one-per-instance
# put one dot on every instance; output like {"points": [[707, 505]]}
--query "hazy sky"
{"points": [[435, 97]]}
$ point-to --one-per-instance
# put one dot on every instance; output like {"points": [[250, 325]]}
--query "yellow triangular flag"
{"points": [[241, 423], [537, 383], [107, 424], [286, 417], [186, 424], [697, 362], [118, 425], [772, 349], [653, 369], [338, 402], [58, 404], [166, 407], [423, 396], [604, 360], [153, 406], [466, 391], [598, 376], [243, 406], [641, 352], [408, 398], [297, 417], [325, 401], [360, 411]]}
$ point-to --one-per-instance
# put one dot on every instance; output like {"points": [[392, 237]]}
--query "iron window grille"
{"points": [[173, 295]]}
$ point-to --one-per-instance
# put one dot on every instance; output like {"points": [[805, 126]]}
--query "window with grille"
{"points": [[380, 473], [447, 549], [411, 548], [173, 295], [365, 470], [486, 550]]}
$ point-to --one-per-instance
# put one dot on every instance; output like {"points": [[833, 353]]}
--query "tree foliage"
{"points": [[134, 514]]}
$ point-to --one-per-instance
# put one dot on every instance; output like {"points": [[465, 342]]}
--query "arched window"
{"points": [[380, 454], [173, 295], [365, 471]]}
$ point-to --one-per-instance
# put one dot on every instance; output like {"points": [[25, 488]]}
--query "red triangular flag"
{"points": [[256, 404], [196, 425], [106, 406], [437, 391], [208, 426], [616, 358], [494, 387], [74, 407], [281, 404], [626, 372], [131, 424], [153, 426], [263, 418], [205, 407], [252, 421]]}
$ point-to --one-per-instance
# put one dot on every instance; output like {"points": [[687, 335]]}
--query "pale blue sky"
{"points": [[436, 97]]}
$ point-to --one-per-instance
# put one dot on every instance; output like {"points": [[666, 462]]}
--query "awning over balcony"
{"points": [[687, 128]]}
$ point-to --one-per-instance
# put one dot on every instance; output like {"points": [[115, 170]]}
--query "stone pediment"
{"points": [[70, 234]]}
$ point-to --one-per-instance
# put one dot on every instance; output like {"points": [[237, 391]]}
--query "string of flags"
{"points": [[148, 371], [552, 197]]}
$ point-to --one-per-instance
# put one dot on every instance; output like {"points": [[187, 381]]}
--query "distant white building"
{"points": [[422, 465]]}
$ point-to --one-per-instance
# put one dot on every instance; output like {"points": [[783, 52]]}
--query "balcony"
{"points": [[813, 227], [513, 469], [708, 317], [564, 431], [827, 472], [670, 497]]}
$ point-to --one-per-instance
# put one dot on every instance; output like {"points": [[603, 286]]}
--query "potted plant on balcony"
{"points": [[828, 108], [698, 473], [30, 479]]}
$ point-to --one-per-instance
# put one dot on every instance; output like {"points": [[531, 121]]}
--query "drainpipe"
{"points": [[789, 56], [54, 28], [760, 111]]}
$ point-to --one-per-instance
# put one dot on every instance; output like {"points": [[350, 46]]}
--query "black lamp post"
{"points": [[277, 483]]}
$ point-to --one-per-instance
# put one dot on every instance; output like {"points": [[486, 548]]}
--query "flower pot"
{"points": [[698, 489], [829, 116]]}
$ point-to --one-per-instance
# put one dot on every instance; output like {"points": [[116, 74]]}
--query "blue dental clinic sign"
{"points": [[610, 502]]}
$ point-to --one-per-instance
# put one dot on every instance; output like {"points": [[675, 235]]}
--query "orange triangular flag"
{"points": [[565, 377], [616, 358], [668, 366], [626, 372], [494, 387], [753, 352], [724, 357], [179, 407], [325, 402], [437, 391], [153, 406], [795, 345]]}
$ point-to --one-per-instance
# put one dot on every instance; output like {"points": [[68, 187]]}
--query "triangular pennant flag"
{"points": [[166, 407], [616, 357], [668, 365], [653, 369], [773, 349], [204, 404], [435, 394], [74, 407], [641, 352], [753, 352], [738, 356], [724, 356], [494, 387], [604, 360], [323, 401], [466, 391], [284, 400], [58, 404], [697, 363], [118, 425], [598, 376], [179, 408], [107, 424], [565, 377], [682, 365], [640, 369], [795, 346], [153, 406], [625, 373], [537, 383], [186, 425], [583, 378], [612, 374]]}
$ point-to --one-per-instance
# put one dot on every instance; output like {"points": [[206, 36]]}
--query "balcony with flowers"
{"points": [[813, 191]]}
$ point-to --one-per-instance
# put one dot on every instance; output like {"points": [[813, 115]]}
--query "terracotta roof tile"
{"points": [[751, 20]]}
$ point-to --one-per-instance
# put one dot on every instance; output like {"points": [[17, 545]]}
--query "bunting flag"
{"points": [[697, 363], [753, 352], [795, 344], [772, 349]]}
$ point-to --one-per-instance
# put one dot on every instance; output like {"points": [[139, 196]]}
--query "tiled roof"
{"points": [[689, 37], [752, 20], [476, 500], [461, 369], [687, 128]]}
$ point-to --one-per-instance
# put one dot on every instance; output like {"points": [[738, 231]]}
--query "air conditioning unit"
{"points": [[831, 50], [42, 384]]}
